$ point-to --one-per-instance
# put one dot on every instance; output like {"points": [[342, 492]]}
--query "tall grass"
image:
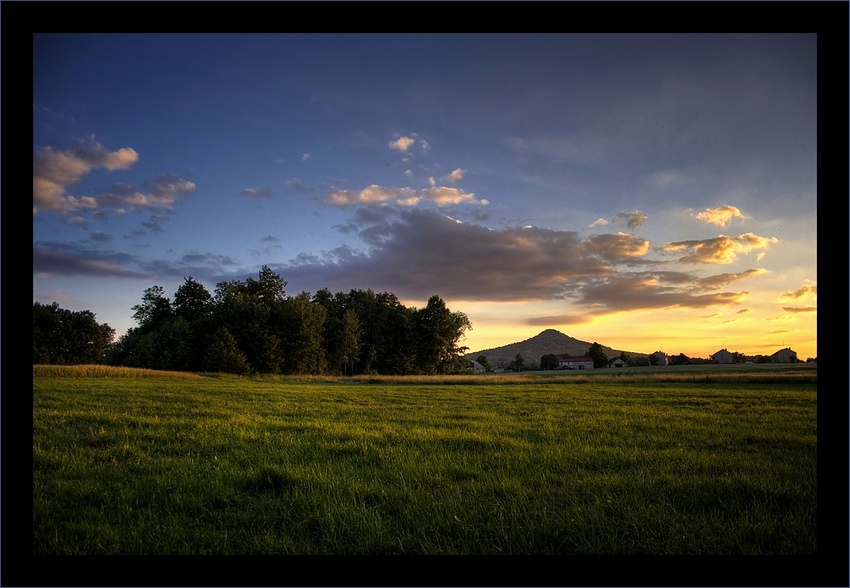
{"points": [[514, 464]]}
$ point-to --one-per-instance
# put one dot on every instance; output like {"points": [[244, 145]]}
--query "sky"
{"points": [[647, 192]]}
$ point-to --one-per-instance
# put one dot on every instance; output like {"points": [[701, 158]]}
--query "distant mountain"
{"points": [[548, 341]]}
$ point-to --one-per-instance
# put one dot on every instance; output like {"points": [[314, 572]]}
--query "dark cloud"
{"points": [[647, 290], [415, 253], [66, 259], [799, 309]]}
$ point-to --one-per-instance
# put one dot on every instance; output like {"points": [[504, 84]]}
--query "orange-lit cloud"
{"points": [[374, 194], [402, 143], [456, 175], [719, 280], [720, 249], [799, 309], [613, 246], [808, 290], [721, 216], [55, 170]]}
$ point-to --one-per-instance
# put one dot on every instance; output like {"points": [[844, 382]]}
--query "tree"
{"points": [[65, 337], [154, 310], [680, 359], [485, 361], [223, 355], [600, 359], [438, 332], [549, 362], [194, 304], [192, 301], [517, 363], [349, 341], [303, 346]]}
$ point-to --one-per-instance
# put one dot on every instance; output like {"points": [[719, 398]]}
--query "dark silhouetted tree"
{"points": [[549, 362]]}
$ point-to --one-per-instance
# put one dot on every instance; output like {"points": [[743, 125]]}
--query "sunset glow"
{"points": [[647, 192]]}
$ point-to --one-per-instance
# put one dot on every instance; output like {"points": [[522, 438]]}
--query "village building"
{"points": [[476, 367], [784, 356], [723, 356], [661, 357], [566, 362], [617, 362]]}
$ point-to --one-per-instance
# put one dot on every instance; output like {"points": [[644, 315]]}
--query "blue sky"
{"points": [[643, 191]]}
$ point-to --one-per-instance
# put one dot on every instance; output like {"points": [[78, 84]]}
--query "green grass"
{"points": [[710, 461]]}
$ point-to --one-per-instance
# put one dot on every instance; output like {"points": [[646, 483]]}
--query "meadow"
{"points": [[690, 460]]}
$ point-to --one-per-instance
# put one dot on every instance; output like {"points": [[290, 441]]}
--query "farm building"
{"points": [[784, 356], [723, 356], [574, 363], [661, 357], [617, 362], [475, 367]]}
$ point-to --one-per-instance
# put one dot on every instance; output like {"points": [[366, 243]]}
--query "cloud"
{"points": [[162, 193], [808, 290], [154, 223], [713, 282], [600, 222], [404, 197], [633, 219], [456, 175], [258, 192], [561, 319], [305, 156], [619, 246], [296, 186], [54, 170], [720, 249], [402, 144], [799, 309], [647, 290], [721, 216], [65, 259], [416, 252]]}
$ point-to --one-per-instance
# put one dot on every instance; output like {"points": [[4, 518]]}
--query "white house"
{"points": [[476, 367], [574, 363], [661, 357]]}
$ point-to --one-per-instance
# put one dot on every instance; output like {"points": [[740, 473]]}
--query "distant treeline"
{"points": [[254, 327]]}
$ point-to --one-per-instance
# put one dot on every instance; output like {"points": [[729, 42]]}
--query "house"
{"points": [[723, 356], [476, 367], [661, 357], [784, 356], [566, 362], [617, 362]]}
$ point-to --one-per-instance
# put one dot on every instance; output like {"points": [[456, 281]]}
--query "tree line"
{"points": [[255, 327]]}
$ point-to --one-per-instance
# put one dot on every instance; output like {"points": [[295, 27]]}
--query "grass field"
{"points": [[675, 460]]}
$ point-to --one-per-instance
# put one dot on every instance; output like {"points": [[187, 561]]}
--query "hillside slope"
{"points": [[548, 341]]}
